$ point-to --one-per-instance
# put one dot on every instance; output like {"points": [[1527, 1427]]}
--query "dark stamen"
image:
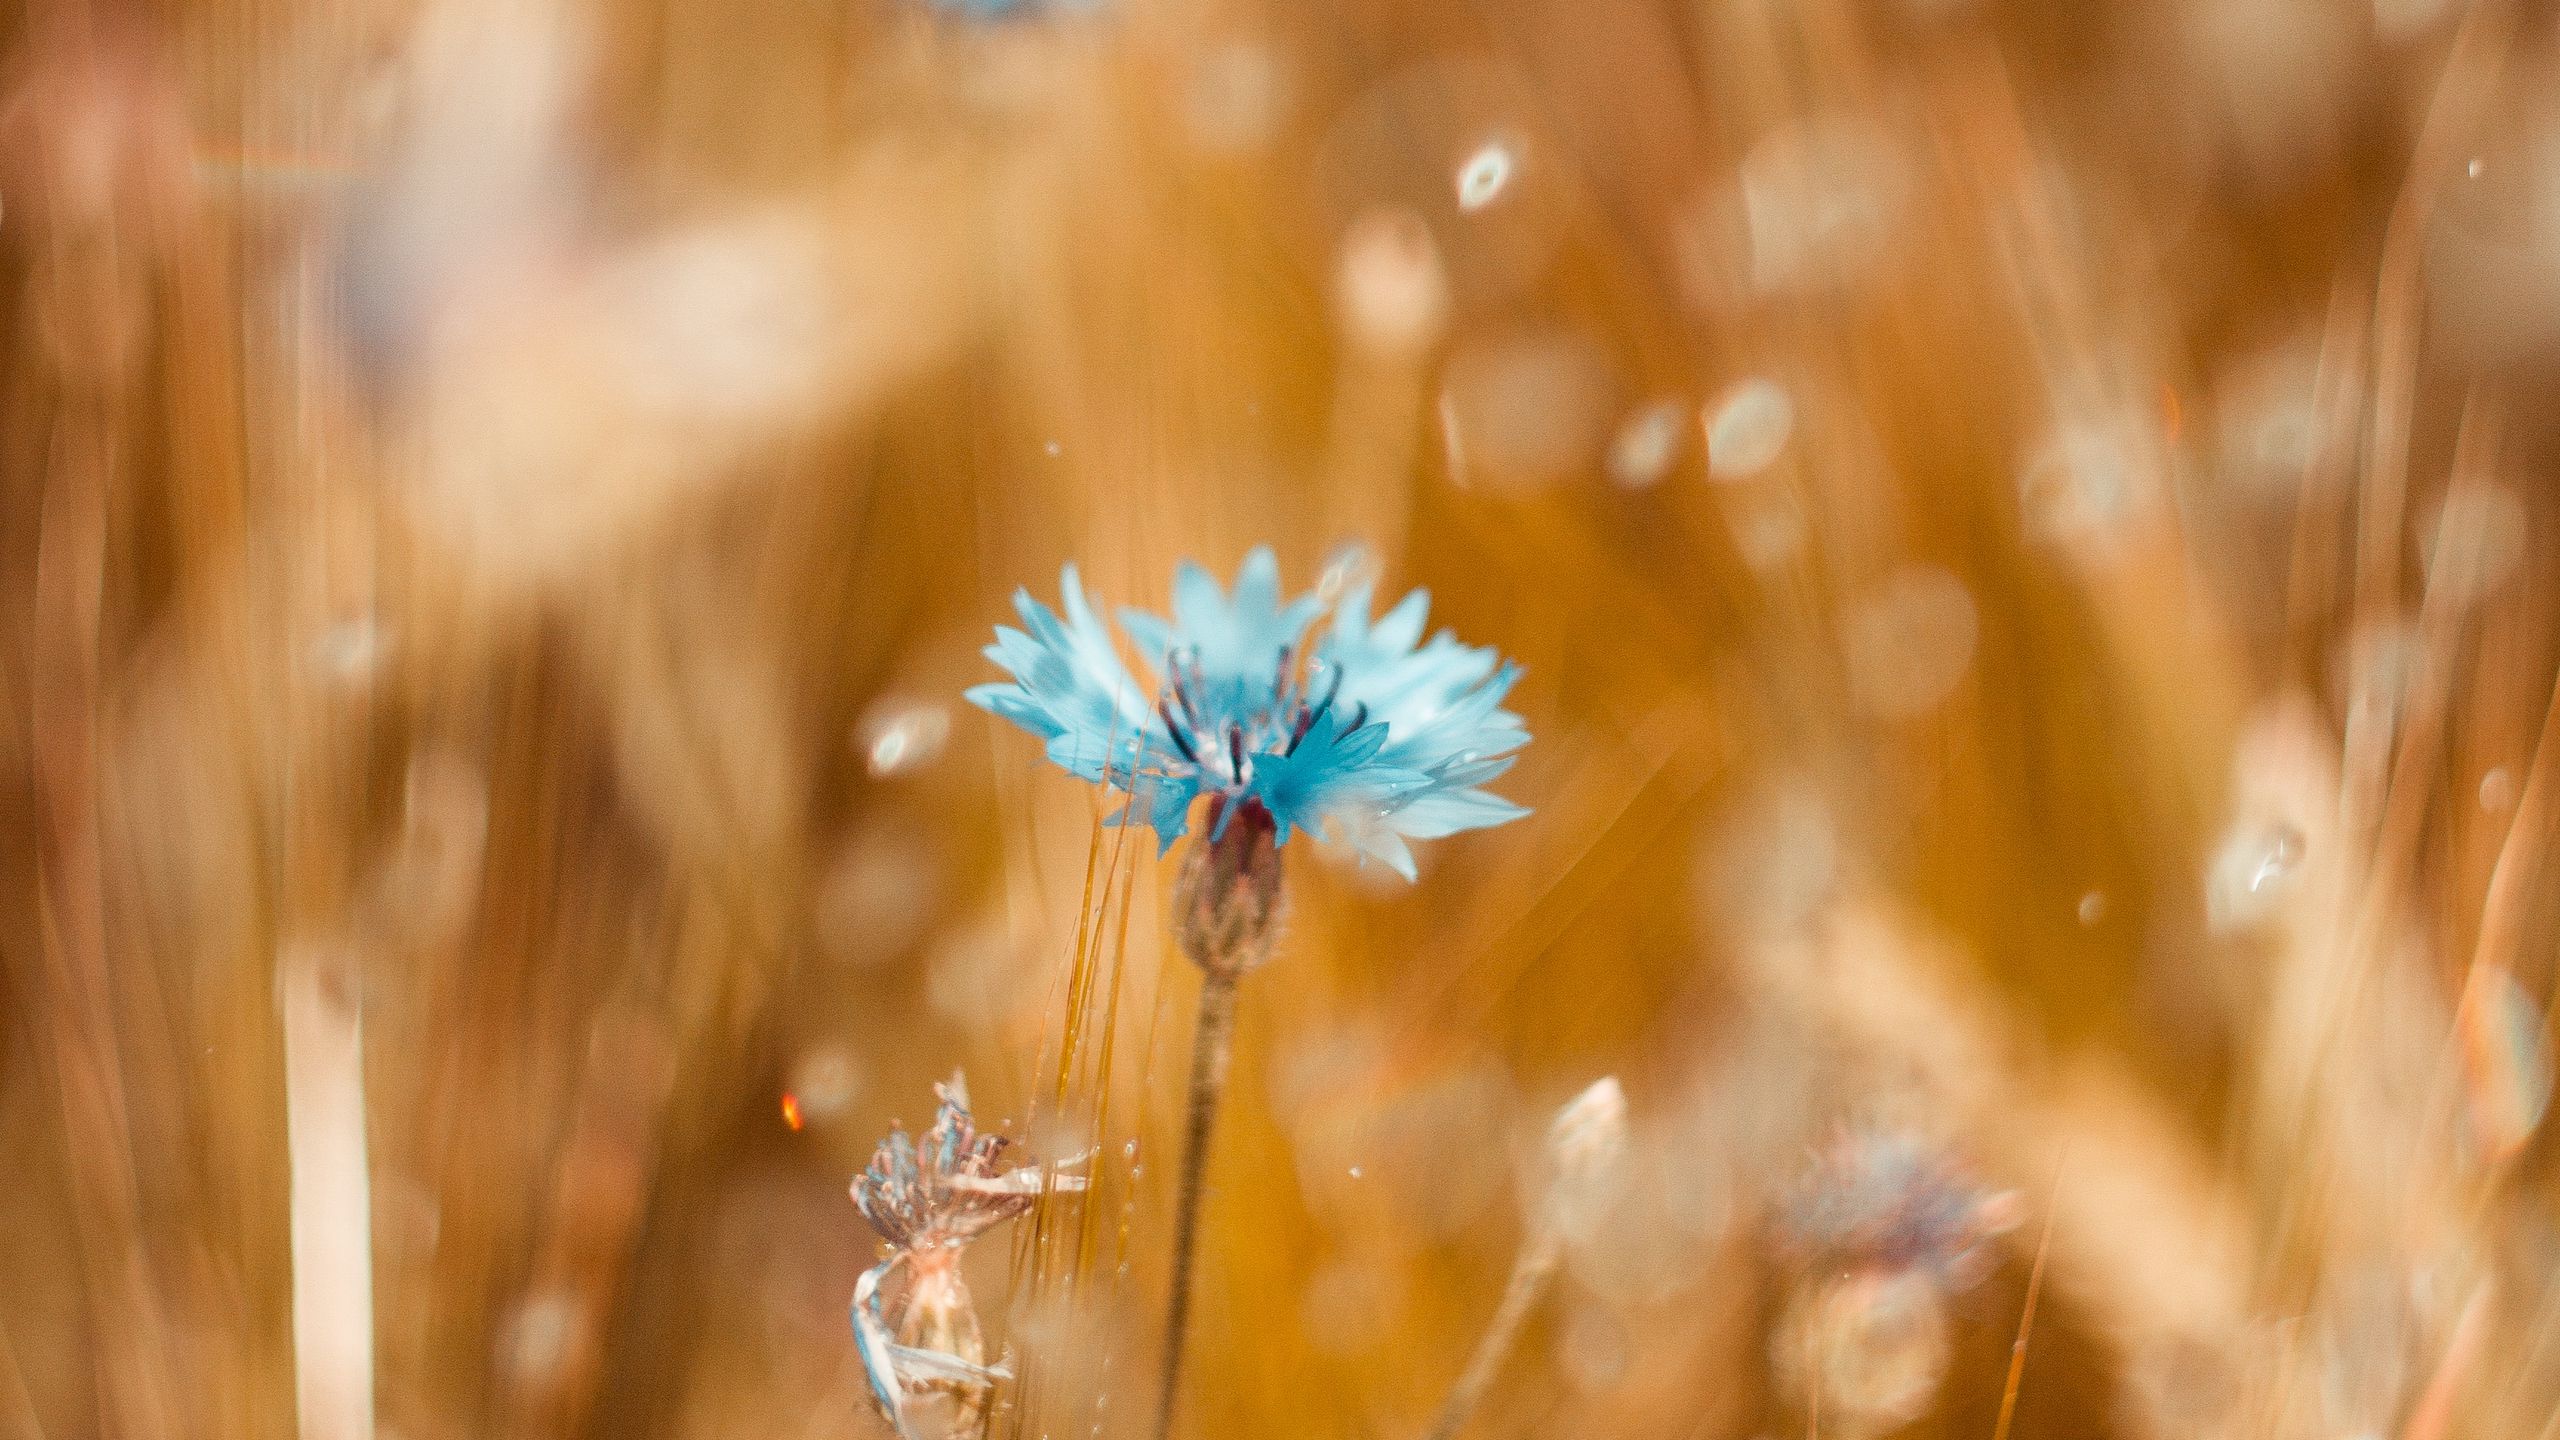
{"points": [[1235, 753], [1176, 732], [1183, 685], [1307, 718]]}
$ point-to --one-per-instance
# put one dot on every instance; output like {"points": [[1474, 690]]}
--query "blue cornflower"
{"points": [[1365, 734]]}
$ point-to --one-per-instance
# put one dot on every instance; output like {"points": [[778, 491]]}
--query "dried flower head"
{"points": [[947, 1191], [1587, 1142], [1890, 1200], [928, 1200], [1367, 735]]}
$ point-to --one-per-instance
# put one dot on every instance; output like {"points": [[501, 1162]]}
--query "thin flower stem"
{"points": [[1529, 1276], [1212, 1048]]}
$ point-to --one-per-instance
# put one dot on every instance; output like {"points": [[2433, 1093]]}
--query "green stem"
{"points": [[1212, 1047]]}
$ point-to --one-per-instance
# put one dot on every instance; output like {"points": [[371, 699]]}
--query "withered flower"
{"points": [[1885, 1228], [928, 1200]]}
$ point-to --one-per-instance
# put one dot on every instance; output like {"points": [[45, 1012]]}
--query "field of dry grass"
{"points": [[2028, 526]]}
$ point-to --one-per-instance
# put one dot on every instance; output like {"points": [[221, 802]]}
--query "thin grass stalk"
{"points": [[2506, 910], [1088, 1219], [2442, 619], [2532, 1343], [2432, 1417], [84, 463], [2503, 915], [2381, 835], [1212, 1051], [1032, 1249], [2338, 395], [1587, 1146], [20, 1403], [331, 1196], [2452, 117], [2026, 1319], [1061, 1248], [1530, 1275]]}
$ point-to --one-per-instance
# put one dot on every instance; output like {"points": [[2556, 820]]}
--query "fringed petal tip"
{"points": [[1388, 848], [994, 696]]}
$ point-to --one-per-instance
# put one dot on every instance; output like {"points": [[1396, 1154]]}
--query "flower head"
{"points": [[948, 1190], [1888, 1199], [928, 1200], [1359, 730], [1885, 1228], [1587, 1144]]}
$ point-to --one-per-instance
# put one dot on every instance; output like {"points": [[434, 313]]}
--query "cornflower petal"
{"points": [[1440, 813]]}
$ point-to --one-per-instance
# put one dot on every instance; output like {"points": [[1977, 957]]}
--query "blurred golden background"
{"points": [[2028, 525]]}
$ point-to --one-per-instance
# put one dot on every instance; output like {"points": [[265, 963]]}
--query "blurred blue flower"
{"points": [[1001, 10], [1369, 736]]}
